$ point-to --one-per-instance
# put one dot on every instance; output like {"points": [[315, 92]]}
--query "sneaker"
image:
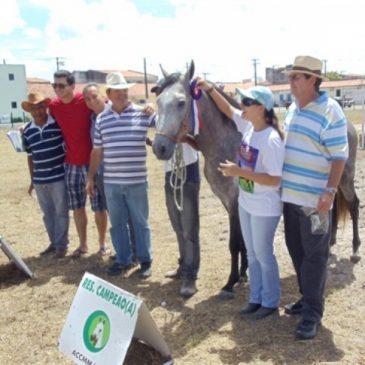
{"points": [[48, 250], [145, 270], [60, 253], [250, 308], [307, 330], [117, 269], [188, 288], [294, 308], [264, 312]]}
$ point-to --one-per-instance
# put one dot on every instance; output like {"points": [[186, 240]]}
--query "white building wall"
{"points": [[13, 90]]}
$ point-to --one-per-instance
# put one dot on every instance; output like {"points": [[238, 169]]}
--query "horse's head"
{"points": [[174, 111]]}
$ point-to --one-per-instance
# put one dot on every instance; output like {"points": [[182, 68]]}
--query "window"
{"points": [[13, 105], [11, 77]]}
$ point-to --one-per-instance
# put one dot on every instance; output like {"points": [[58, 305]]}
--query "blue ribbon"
{"points": [[195, 91]]}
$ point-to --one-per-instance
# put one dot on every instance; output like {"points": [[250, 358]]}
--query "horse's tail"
{"points": [[342, 211]]}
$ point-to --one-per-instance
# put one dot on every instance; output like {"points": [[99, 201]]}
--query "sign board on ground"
{"points": [[12, 256], [102, 321]]}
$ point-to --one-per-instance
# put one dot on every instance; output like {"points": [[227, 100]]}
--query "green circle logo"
{"points": [[96, 331]]}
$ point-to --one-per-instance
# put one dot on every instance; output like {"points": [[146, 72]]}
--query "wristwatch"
{"points": [[332, 191]]}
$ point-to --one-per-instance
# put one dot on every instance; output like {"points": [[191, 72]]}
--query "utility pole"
{"points": [[205, 74], [255, 63], [325, 67], [145, 77], [59, 62]]}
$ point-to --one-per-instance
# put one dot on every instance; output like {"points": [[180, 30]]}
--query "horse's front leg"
{"points": [[236, 246], [353, 207]]}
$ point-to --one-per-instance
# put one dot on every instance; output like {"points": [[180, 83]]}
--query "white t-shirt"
{"points": [[263, 152]]}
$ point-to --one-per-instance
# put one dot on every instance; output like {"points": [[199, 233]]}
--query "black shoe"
{"points": [[117, 269], [48, 250], [145, 271], [307, 329], [188, 288], [250, 308], [60, 253], [293, 308], [264, 312]]}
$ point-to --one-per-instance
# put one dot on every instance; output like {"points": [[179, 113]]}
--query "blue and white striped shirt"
{"points": [[46, 148], [123, 139], [316, 135]]}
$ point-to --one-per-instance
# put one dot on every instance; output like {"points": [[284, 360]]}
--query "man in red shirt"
{"points": [[73, 117]]}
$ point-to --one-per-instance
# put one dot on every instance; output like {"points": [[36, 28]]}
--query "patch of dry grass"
{"points": [[202, 330]]}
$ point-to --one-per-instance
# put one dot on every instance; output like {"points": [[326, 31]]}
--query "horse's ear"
{"points": [[191, 69], [164, 73], [189, 73]]}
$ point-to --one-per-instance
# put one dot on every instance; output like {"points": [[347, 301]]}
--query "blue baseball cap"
{"points": [[261, 94]]}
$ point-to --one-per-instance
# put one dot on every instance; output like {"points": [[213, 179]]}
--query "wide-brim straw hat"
{"points": [[307, 65], [115, 80], [33, 99]]}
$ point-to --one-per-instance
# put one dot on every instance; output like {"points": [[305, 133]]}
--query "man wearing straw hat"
{"points": [[44, 144], [316, 152], [120, 140]]}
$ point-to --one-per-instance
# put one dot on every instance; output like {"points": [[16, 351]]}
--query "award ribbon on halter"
{"points": [[196, 94]]}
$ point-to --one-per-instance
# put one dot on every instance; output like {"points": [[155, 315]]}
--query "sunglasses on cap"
{"points": [[60, 86], [249, 102]]}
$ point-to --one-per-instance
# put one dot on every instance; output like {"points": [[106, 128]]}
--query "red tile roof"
{"points": [[45, 87]]}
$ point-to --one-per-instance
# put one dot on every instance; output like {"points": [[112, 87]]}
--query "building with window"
{"points": [[13, 89]]}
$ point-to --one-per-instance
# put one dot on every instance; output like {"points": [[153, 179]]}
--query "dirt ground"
{"points": [[201, 330]]}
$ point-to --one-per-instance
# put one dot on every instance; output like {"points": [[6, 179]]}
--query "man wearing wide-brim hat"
{"points": [[120, 135], [43, 142], [316, 152]]}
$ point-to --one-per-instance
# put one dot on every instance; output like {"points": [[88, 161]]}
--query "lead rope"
{"points": [[178, 176]]}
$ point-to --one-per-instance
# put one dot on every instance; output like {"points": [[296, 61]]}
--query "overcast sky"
{"points": [[223, 37]]}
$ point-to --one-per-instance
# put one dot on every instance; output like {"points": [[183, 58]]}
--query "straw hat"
{"points": [[115, 80], [33, 99], [307, 65]]}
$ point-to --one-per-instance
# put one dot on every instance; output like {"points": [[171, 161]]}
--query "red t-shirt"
{"points": [[75, 122]]}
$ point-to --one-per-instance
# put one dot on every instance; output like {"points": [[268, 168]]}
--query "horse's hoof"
{"points": [[243, 279], [224, 294], [355, 258]]}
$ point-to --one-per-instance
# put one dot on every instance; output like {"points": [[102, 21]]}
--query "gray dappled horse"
{"points": [[218, 140], [346, 198]]}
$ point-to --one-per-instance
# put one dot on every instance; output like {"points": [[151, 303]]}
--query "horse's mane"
{"points": [[230, 99], [166, 81]]}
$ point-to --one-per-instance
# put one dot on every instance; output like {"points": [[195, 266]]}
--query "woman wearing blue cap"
{"points": [[259, 169]]}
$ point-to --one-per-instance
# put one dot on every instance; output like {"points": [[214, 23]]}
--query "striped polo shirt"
{"points": [[123, 139], [315, 136], [46, 148]]}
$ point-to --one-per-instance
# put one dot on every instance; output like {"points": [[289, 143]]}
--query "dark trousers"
{"points": [[309, 253], [186, 227]]}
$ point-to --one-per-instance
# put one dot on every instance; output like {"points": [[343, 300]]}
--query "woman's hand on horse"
{"points": [[203, 84], [229, 168]]}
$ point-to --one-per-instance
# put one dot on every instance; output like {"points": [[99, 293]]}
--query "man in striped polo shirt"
{"points": [[316, 152], [120, 140], [44, 144]]}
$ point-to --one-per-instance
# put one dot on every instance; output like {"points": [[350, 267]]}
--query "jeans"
{"points": [[129, 202], [52, 199], [258, 233], [186, 227], [309, 253]]}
